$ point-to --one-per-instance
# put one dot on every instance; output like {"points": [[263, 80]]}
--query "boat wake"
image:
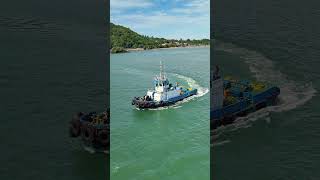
{"points": [[292, 93], [92, 150], [193, 84]]}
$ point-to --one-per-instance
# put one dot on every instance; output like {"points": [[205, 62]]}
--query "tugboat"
{"points": [[94, 129], [163, 93], [231, 98]]}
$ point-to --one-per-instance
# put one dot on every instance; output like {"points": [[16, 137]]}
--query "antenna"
{"points": [[161, 71]]}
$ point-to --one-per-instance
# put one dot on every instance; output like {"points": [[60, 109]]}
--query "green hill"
{"points": [[123, 38]]}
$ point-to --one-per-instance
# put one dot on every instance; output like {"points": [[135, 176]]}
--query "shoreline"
{"points": [[142, 49]]}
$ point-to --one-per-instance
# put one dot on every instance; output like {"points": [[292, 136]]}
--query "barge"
{"points": [[232, 98]]}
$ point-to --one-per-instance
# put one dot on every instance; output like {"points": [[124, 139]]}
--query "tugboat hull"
{"points": [[145, 104]]}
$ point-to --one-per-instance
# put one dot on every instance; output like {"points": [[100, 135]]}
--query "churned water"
{"points": [[276, 42], [163, 143]]}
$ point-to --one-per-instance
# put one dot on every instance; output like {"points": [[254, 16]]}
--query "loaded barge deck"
{"points": [[233, 98]]}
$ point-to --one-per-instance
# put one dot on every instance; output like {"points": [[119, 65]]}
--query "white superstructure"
{"points": [[163, 90]]}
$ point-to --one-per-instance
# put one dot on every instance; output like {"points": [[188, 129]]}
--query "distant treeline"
{"points": [[123, 38]]}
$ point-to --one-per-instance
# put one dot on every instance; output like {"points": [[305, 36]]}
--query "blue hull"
{"points": [[143, 104], [183, 96], [228, 114]]}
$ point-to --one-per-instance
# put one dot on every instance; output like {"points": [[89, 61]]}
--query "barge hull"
{"points": [[229, 114]]}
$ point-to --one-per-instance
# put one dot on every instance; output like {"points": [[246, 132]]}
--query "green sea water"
{"points": [[166, 143]]}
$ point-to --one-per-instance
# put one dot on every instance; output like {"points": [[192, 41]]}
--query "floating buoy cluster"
{"points": [[93, 128]]}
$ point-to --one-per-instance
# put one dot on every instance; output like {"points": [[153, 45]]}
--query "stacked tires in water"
{"points": [[93, 128]]}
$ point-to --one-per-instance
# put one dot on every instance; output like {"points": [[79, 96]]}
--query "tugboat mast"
{"points": [[161, 71]]}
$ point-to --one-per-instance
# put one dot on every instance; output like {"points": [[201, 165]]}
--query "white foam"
{"points": [[115, 169], [159, 108], [220, 143], [89, 149], [92, 150], [201, 91]]}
